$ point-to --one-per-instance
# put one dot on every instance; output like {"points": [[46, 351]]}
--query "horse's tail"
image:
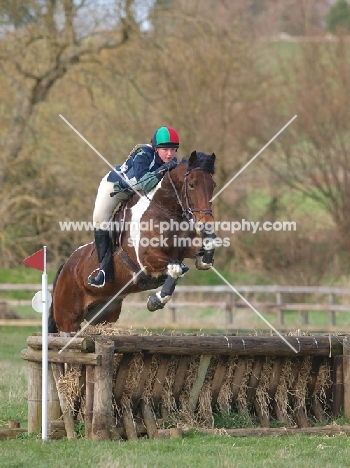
{"points": [[52, 327]]}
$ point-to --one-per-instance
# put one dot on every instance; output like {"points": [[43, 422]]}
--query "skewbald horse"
{"points": [[143, 259]]}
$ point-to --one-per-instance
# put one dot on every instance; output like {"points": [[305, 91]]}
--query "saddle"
{"points": [[117, 222]]}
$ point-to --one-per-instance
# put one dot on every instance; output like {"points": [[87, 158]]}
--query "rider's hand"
{"points": [[168, 166]]}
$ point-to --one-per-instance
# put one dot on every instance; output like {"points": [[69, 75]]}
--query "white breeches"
{"points": [[105, 204]]}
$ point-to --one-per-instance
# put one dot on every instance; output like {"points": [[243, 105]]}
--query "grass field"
{"points": [[193, 450]]}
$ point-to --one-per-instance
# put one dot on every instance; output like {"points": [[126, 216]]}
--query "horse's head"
{"points": [[194, 179]]}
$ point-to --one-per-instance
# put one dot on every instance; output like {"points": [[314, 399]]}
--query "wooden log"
{"points": [[197, 386], [64, 357], [173, 432], [57, 431], [315, 366], [338, 386], [119, 432], [228, 345], [89, 400], [274, 381], [218, 378], [57, 434], [275, 431], [83, 344], [254, 379], [121, 377], [262, 413], [299, 412], [129, 424], [149, 420], [101, 418], [184, 362], [241, 369], [315, 404], [13, 424], [53, 402], [346, 376], [11, 433], [34, 396], [275, 376], [160, 379], [57, 371], [137, 392]]}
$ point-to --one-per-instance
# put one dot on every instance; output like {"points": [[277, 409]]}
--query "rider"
{"points": [[144, 168]]}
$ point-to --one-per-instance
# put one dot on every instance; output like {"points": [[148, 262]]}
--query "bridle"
{"points": [[188, 211]]}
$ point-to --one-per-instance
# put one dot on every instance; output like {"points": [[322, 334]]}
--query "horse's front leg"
{"points": [[205, 261], [159, 299]]}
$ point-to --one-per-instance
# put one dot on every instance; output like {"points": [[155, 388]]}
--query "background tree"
{"points": [[339, 16], [204, 67]]}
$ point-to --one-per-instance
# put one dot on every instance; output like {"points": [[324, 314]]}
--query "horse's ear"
{"points": [[193, 158], [213, 156]]}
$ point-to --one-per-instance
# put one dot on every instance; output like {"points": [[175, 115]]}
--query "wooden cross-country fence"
{"points": [[122, 386]]}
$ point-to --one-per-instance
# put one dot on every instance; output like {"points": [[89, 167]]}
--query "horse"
{"points": [[156, 232]]}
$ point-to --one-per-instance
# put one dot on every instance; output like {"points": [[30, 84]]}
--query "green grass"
{"points": [[23, 274], [192, 451]]}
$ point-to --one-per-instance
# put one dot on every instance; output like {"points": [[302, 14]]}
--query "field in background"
{"points": [[204, 310]]}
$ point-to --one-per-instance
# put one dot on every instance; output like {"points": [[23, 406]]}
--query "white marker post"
{"points": [[45, 347], [41, 303]]}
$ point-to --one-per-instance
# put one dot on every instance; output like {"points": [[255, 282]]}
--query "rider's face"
{"points": [[166, 154]]}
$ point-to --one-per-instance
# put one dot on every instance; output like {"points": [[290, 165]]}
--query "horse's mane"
{"points": [[204, 161]]}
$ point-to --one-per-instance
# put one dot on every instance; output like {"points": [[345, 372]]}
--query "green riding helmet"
{"points": [[165, 137]]}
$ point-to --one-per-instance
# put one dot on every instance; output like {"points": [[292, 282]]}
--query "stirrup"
{"points": [[93, 281]]}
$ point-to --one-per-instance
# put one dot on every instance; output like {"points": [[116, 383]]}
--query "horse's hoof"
{"points": [[200, 265], [154, 303]]}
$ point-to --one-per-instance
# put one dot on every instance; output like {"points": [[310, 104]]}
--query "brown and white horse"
{"points": [[157, 231]]}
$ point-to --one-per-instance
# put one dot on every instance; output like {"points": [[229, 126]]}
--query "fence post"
{"points": [[229, 308], [346, 376], [279, 300], [34, 396], [68, 418], [338, 386], [54, 407], [101, 418], [331, 315]]}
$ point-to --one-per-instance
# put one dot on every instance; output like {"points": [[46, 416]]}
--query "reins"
{"points": [[187, 212]]}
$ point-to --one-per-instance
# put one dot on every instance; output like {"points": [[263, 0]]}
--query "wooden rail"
{"points": [[274, 299], [279, 300]]}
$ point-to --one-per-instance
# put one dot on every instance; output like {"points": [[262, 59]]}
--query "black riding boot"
{"points": [[104, 253]]}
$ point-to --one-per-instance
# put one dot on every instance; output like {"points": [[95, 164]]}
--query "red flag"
{"points": [[36, 260]]}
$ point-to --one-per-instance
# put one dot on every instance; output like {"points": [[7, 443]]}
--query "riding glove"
{"points": [[168, 166]]}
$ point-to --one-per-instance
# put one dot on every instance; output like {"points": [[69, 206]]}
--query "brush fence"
{"points": [[125, 386]]}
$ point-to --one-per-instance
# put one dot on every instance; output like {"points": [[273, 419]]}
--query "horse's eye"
{"points": [[191, 184]]}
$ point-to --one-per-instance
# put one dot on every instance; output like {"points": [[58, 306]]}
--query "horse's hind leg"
{"points": [[158, 300]]}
